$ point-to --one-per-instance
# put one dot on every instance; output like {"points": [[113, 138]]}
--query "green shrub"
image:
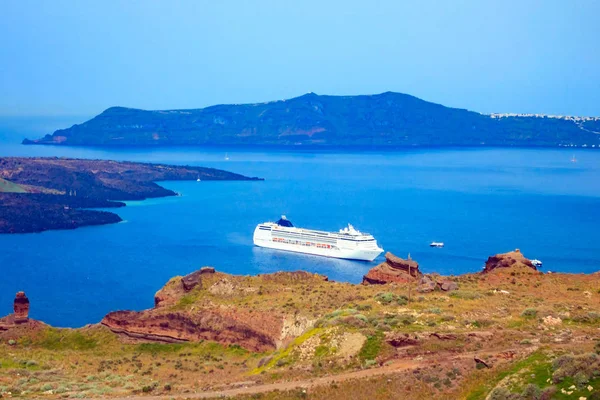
{"points": [[385, 297], [531, 391], [529, 313]]}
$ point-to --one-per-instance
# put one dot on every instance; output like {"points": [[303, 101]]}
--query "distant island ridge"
{"points": [[384, 120]]}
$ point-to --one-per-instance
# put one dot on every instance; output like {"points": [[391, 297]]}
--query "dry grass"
{"points": [[94, 362]]}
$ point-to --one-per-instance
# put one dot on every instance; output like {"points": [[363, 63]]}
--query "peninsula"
{"points": [[385, 120], [38, 194]]}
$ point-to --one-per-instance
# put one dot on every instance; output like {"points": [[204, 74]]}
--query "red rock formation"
{"points": [[21, 308], [512, 259], [171, 327], [394, 269], [172, 320]]}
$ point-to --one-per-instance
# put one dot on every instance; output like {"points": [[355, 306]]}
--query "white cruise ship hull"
{"points": [[317, 243]]}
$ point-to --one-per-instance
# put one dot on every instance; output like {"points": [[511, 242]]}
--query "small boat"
{"points": [[436, 244], [536, 263], [198, 180]]}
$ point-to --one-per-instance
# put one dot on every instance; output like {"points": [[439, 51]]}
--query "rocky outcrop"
{"points": [[21, 308], [177, 287], [205, 324], [426, 285], [429, 283], [202, 306], [14, 325], [195, 278], [393, 270], [399, 339], [447, 285], [512, 259]]}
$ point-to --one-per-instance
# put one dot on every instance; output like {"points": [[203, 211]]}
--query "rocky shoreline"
{"points": [[208, 331], [38, 194], [184, 312]]}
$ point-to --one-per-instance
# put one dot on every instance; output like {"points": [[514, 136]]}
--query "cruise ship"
{"points": [[348, 243]]}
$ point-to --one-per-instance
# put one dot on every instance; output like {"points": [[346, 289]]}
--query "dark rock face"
{"points": [[21, 308], [394, 269], [194, 279], [398, 339], [512, 259]]}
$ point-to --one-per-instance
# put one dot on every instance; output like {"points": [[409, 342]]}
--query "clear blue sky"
{"points": [[81, 57]]}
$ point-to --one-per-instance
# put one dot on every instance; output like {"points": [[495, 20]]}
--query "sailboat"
{"points": [[573, 159], [226, 157], [198, 179]]}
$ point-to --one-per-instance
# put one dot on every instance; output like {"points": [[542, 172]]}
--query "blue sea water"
{"points": [[478, 201]]}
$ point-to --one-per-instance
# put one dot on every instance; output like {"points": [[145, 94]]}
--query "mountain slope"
{"points": [[387, 119]]}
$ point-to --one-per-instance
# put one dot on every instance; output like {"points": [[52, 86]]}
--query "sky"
{"points": [[81, 57]]}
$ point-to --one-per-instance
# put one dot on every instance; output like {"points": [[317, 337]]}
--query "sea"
{"points": [[478, 201]]}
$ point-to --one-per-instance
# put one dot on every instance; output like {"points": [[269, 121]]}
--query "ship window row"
{"points": [[301, 243], [305, 237], [318, 236], [299, 234]]}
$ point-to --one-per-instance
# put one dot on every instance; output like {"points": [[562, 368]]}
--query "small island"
{"points": [[38, 194]]}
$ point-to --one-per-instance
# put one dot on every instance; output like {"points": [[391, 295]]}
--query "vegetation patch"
{"points": [[372, 347]]}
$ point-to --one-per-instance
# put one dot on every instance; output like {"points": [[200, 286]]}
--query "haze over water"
{"points": [[478, 201]]}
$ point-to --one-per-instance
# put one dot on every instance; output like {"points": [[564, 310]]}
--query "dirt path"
{"points": [[283, 386], [393, 368]]}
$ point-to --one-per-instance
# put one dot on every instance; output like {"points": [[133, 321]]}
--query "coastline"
{"points": [[58, 193], [286, 329]]}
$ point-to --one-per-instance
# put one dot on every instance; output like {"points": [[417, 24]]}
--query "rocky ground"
{"points": [[38, 194], [509, 332]]}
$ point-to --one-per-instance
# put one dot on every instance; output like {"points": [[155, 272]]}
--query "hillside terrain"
{"points": [[509, 332], [388, 119], [38, 194]]}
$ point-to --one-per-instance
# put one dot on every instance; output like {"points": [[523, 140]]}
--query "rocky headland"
{"points": [[503, 331], [38, 194]]}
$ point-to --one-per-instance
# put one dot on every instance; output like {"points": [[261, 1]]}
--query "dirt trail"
{"points": [[390, 369]]}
